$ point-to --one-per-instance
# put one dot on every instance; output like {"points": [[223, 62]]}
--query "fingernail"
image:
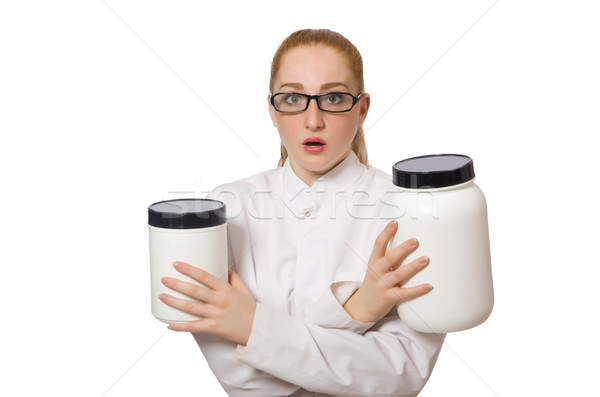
{"points": [[413, 242], [424, 260], [176, 265]]}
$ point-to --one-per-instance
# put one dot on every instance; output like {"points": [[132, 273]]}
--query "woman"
{"points": [[309, 307]]}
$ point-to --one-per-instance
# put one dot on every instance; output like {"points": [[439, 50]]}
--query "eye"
{"points": [[292, 99], [334, 99]]}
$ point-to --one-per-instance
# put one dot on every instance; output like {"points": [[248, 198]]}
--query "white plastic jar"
{"points": [[441, 206], [186, 230]]}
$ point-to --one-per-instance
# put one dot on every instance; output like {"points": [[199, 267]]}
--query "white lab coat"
{"points": [[302, 251]]}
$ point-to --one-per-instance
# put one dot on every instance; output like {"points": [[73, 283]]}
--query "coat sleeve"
{"points": [[389, 359], [328, 311]]}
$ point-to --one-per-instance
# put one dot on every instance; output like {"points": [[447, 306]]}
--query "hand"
{"points": [[226, 309], [381, 289]]}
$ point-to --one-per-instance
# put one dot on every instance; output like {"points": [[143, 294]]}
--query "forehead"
{"points": [[313, 66]]}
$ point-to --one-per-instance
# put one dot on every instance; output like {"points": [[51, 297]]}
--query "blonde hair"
{"points": [[338, 42]]}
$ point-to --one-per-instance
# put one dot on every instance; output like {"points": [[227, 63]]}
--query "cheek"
{"points": [[346, 129], [286, 129]]}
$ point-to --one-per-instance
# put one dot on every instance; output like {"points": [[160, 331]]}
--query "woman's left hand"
{"points": [[226, 309]]}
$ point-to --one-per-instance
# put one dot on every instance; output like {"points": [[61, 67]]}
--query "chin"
{"points": [[320, 165]]}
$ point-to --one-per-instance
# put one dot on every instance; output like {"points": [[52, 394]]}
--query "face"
{"points": [[316, 70]]}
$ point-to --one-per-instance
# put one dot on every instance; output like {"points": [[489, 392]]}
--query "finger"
{"points": [[189, 326], [382, 241], [395, 256], [398, 294], [192, 290], [199, 275], [403, 273], [189, 307]]}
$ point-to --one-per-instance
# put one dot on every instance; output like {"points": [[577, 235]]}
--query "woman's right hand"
{"points": [[382, 287]]}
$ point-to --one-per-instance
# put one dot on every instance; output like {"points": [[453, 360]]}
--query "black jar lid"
{"points": [[192, 213], [433, 171]]}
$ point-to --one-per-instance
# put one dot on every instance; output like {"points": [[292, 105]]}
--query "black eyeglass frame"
{"points": [[355, 100]]}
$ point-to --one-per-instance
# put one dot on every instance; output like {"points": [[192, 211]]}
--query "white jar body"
{"points": [[452, 228], [205, 248]]}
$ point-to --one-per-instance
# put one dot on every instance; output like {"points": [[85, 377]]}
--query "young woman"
{"points": [[309, 309]]}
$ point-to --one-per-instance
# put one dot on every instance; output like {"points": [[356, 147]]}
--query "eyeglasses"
{"points": [[333, 102]]}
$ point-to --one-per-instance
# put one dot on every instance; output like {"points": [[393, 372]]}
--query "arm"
{"points": [[389, 359], [327, 350]]}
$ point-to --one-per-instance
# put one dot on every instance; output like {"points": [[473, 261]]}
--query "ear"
{"points": [[272, 111], [365, 103]]}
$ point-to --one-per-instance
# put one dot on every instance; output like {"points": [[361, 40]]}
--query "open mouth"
{"points": [[313, 142], [314, 145]]}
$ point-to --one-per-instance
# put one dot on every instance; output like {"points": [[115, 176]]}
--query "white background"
{"points": [[106, 107]]}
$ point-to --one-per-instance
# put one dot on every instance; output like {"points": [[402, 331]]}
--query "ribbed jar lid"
{"points": [[433, 171], [192, 213]]}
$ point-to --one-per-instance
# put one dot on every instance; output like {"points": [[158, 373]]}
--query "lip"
{"points": [[313, 149]]}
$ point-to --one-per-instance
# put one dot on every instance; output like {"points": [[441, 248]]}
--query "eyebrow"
{"points": [[325, 86]]}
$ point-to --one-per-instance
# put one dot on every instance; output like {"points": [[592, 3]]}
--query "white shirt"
{"points": [[302, 251]]}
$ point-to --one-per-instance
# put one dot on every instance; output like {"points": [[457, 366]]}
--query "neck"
{"points": [[310, 177], [306, 176]]}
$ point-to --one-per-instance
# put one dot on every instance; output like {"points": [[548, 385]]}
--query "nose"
{"points": [[313, 116]]}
